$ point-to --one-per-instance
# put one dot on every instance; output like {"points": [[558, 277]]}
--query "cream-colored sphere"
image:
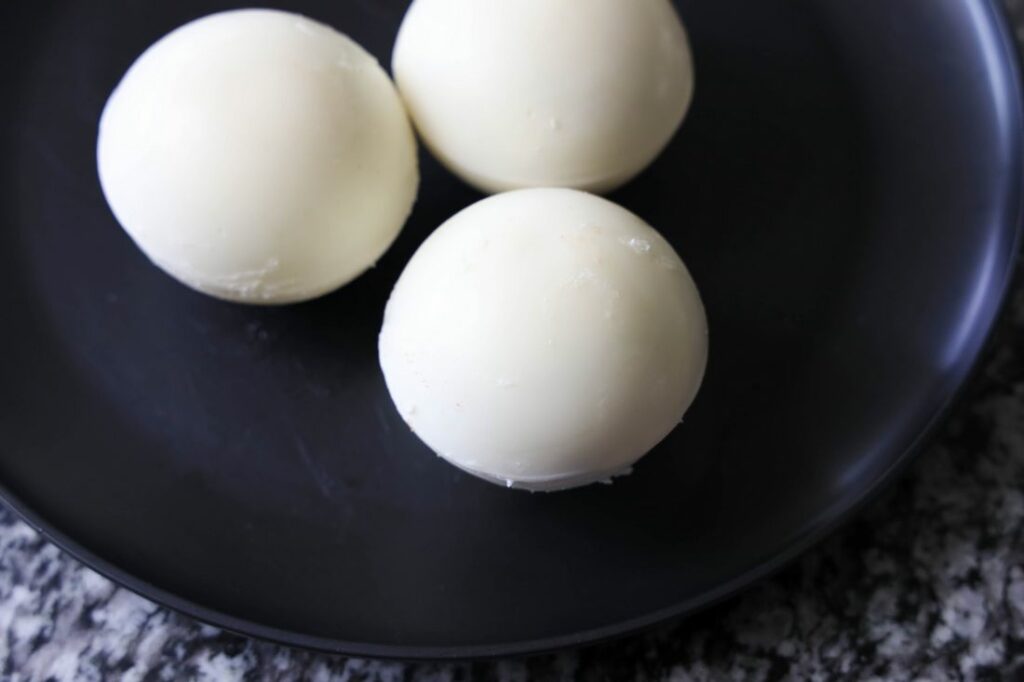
{"points": [[544, 339], [544, 93], [258, 156]]}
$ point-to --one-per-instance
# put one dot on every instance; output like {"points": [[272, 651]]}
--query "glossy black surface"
{"points": [[846, 192]]}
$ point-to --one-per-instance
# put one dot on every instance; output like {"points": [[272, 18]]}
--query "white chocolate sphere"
{"points": [[544, 339], [258, 156], [544, 93]]}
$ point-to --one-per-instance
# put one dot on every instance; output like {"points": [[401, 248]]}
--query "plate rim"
{"points": [[835, 517]]}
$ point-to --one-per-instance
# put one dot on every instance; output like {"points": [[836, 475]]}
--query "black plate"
{"points": [[846, 191]]}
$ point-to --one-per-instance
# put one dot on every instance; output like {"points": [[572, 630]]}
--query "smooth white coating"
{"points": [[544, 93], [544, 339], [258, 156]]}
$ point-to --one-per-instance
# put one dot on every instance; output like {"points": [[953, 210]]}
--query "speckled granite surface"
{"points": [[927, 584]]}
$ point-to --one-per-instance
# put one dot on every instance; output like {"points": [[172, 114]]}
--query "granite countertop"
{"points": [[926, 584]]}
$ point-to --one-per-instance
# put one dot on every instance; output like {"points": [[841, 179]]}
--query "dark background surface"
{"points": [[928, 582]]}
